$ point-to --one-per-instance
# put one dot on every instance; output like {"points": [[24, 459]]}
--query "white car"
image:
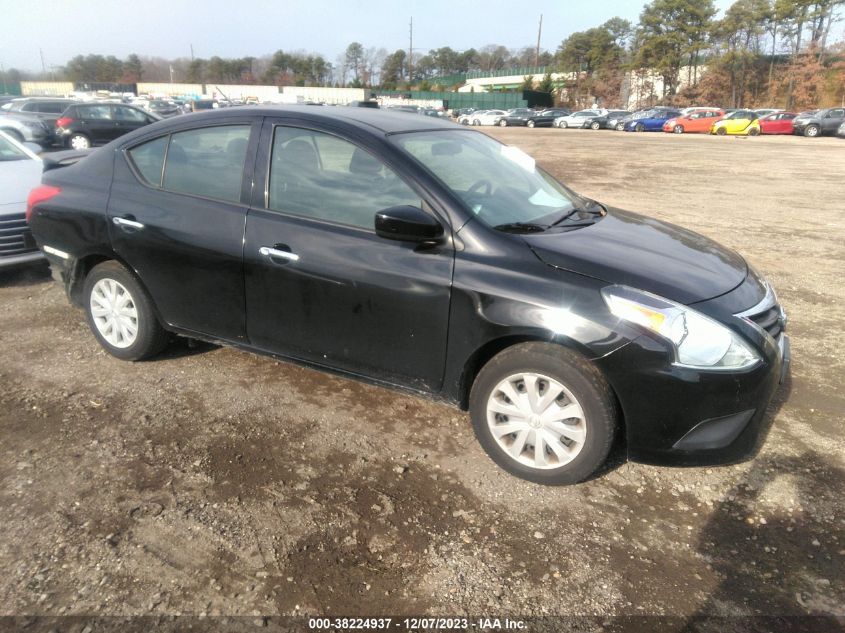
{"points": [[20, 172], [577, 119], [488, 117]]}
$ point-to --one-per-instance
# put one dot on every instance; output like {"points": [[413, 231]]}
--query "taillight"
{"points": [[40, 194], [64, 121]]}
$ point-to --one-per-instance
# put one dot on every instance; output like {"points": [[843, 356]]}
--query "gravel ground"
{"points": [[211, 481]]}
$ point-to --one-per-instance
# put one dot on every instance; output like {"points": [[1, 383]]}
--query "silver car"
{"points": [[20, 172]]}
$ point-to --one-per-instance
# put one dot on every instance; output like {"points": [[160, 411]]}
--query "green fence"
{"points": [[455, 100], [9, 87]]}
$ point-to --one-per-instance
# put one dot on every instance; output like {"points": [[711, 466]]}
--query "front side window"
{"points": [[148, 159], [320, 176], [500, 184], [207, 162]]}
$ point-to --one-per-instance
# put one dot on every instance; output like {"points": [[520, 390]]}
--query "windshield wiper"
{"points": [[599, 211], [521, 227]]}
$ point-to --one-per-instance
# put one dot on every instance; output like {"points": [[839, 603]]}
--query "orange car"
{"points": [[697, 121]]}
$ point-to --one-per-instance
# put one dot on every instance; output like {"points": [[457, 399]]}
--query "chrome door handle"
{"points": [[130, 223], [275, 252]]}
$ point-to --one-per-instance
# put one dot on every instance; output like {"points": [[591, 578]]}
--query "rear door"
{"points": [[96, 122], [320, 284], [177, 213]]}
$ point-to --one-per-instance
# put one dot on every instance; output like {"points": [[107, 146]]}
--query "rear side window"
{"points": [[149, 159], [207, 162], [51, 107]]}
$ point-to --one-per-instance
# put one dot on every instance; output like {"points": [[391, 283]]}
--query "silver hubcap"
{"points": [[536, 421], [79, 142], [114, 313]]}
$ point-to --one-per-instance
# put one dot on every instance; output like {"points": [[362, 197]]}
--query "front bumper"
{"points": [[682, 416]]}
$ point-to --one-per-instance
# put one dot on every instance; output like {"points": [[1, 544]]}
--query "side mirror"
{"points": [[407, 224]]}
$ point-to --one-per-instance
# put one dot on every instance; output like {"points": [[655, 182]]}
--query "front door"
{"points": [[320, 284], [177, 213]]}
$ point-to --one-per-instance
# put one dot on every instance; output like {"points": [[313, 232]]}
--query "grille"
{"points": [[767, 315], [15, 238], [769, 320]]}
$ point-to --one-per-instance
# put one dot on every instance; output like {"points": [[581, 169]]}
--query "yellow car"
{"points": [[739, 123]]}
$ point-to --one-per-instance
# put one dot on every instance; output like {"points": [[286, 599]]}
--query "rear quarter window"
{"points": [[148, 160]]}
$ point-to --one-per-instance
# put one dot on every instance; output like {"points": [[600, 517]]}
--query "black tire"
{"points": [[721, 131], [755, 131], [476, 122], [529, 123], [151, 338], [595, 125], [580, 377], [639, 127], [563, 125], [678, 129], [81, 141], [812, 131], [620, 127], [503, 123]]}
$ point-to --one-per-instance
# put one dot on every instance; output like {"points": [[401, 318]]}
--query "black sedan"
{"points": [[606, 121], [517, 116], [417, 254], [546, 118]]}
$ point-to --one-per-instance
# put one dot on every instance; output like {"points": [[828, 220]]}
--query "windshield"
{"points": [[500, 184], [8, 151]]}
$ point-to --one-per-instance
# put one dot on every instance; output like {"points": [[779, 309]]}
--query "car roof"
{"points": [[370, 119]]}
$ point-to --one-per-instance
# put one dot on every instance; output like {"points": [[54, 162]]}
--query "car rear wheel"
{"points": [[503, 123], [678, 129], [543, 413], [120, 313], [529, 123], [811, 130], [639, 127], [595, 125], [620, 127], [754, 131], [720, 131], [563, 125], [79, 141]]}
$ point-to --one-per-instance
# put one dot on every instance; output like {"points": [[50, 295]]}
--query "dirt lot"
{"points": [[211, 481]]}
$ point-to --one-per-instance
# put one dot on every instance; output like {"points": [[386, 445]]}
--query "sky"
{"points": [[61, 29]]}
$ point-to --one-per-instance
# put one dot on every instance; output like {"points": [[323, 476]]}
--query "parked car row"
{"points": [[703, 120]]}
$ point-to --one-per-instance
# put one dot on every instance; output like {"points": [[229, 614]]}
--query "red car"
{"points": [[777, 123]]}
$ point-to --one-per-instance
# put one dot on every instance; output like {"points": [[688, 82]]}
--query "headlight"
{"points": [[699, 341]]}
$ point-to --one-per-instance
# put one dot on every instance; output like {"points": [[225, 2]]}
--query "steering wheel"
{"points": [[478, 185]]}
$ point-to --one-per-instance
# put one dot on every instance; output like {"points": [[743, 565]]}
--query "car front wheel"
{"points": [[678, 129], [530, 123], [720, 131], [811, 130], [503, 123], [120, 313], [595, 125], [543, 413], [563, 125]]}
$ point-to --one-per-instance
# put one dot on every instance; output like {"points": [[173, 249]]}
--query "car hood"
{"points": [[17, 179], [638, 251]]}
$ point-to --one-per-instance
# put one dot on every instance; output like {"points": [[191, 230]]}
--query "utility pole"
{"points": [[43, 66], [411, 52], [539, 33], [192, 52]]}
